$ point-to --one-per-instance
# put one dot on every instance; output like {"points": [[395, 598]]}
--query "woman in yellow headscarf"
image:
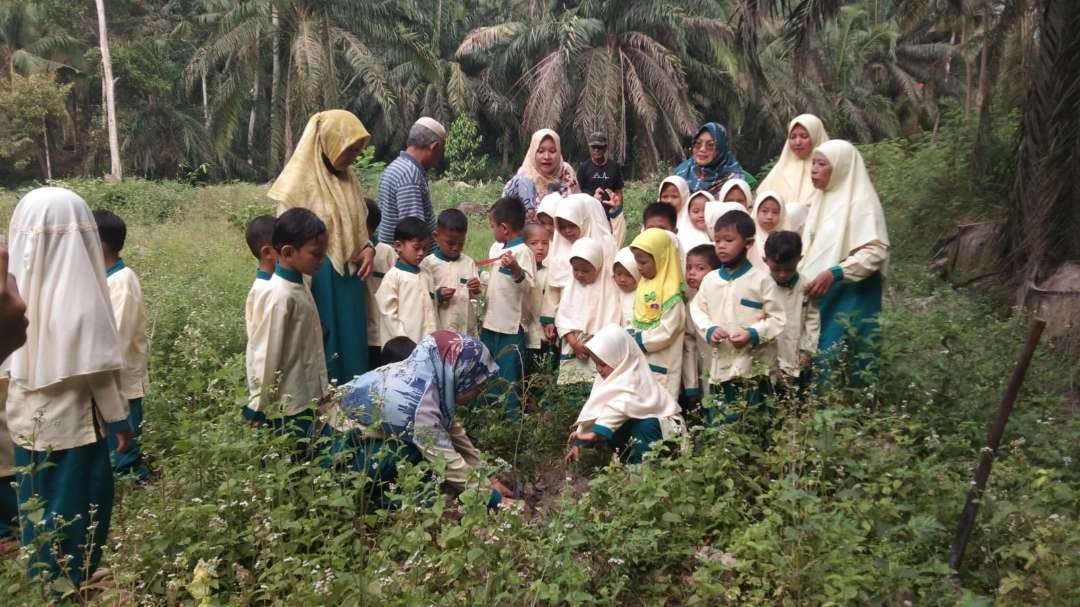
{"points": [[319, 177], [659, 322]]}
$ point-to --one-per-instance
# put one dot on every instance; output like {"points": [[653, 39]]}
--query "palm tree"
{"points": [[610, 65], [116, 169]]}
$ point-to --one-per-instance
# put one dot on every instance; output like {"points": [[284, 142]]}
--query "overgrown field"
{"points": [[851, 498]]}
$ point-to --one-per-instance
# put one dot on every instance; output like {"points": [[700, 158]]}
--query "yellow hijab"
{"points": [[791, 175], [658, 294], [335, 197]]}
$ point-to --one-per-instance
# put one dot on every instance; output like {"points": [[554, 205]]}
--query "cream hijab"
{"points": [[57, 263], [845, 216], [791, 175], [334, 196], [690, 236], [715, 210], [757, 254], [684, 194], [731, 184], [625, 258], [531, 169], [595, 305], [631, 389], [587, 213]]}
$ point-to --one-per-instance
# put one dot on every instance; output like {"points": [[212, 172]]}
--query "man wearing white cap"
{"points": [[403, 189]]}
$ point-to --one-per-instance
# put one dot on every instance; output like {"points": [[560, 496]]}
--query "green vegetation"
{"points": [[849, 498]]}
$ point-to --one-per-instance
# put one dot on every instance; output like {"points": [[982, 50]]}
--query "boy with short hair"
{"points": [[129, 311], [397, 350], [405, 298], [659, 215], [259, 236], [385, 256], [286, 364], [738, 314], [453, 274], [512, 279], [700, 261], [797, 343], [538, 239]]}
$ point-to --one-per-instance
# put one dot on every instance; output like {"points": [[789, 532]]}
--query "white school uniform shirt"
{"points": [[61, 416], [253, 303], [385, 256], [457, 315], [406, 303], [534, 328], [285, 357], [692, 349], [743, 299], [505, 307], [125, 291], [801, 327]]}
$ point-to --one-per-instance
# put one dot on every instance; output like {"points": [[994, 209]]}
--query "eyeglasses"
{"points": [[704, 145]]}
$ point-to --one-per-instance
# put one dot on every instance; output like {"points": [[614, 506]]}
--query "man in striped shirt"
{"points": [[403, 189]]}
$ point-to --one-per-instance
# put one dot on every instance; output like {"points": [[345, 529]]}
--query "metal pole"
{"points": [[993, 439]]}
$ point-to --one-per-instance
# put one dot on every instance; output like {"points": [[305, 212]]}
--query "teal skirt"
{"points": [[343, 314], [850, 326], [72, 490], [509, 353]]}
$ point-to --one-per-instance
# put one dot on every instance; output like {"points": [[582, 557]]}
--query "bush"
{"points": [[462, 148]]}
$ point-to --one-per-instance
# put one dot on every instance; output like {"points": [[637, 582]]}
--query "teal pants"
{"points": [[850, 326], [733, 394], [130, 461], [634, 438], [340, 301], [9, 509], [70, 483], [509, 353]]}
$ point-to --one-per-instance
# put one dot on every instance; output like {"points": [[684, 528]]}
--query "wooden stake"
{"points": [[993, 440]]}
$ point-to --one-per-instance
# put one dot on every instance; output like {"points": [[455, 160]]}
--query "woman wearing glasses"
{"points": [[711, 161]]}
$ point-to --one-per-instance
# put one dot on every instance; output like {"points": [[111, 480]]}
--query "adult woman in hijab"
{"points": [[845, 250], [627, 408], [542, 172], [318, 177], [406, 410], [64, 390], [790, 177], [711, 162]]}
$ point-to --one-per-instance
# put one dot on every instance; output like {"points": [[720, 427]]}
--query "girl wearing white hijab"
{"points": [[581, 216], [65, 382], [588, 303], [690, 235], [626, 276], [773, 219], [845, 252], [627, 407], [790, 177], [735, 189], [715, 210]]}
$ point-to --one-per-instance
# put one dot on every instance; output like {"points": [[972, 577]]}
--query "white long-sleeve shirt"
{"points": [[125, 291]]}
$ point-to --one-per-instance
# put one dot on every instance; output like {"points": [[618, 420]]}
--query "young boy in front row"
{"points": [[125, 291], [700, 260], [538, 239], [385, 256], [286, 366], [405, 298], [797, 343], [738, 313], [512, 280], [453, 274]]}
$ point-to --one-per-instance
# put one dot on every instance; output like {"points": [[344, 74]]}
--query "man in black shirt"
{"points": [[600, 177]]}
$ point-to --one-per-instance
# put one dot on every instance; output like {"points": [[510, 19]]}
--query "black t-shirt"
{"points": [[591, 176]]}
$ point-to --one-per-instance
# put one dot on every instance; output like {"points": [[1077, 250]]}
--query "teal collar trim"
{"points": [[515, 242], [261, 275], [729, 276], [289, 275], [406, 267], [374, 240], [540, 266], [437, 252], [791, 282], [116, 267]]}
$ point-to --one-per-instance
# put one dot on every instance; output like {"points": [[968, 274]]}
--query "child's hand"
{"points": [[739, 339], [501, 488], [577, 346], [510, 262], [573, 454], [474, 286], [124, 440], [445, 295], [549, 333], [718, 335]]}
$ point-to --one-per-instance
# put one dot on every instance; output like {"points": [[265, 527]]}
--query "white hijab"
{"points": [[58, 265], [715, 210], [684, 197], [845, 216], [791, 174], [757, 254], [625, 258], [597, 304], [796, 215], [549, 204], [631, 389], [587, 213], [690, 236], [731, 184]]}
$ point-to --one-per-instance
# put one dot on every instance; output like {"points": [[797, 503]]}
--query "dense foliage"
{"points": [[849, 497]]}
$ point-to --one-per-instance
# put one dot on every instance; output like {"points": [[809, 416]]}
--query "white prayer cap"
{"points": [[432, 125]]}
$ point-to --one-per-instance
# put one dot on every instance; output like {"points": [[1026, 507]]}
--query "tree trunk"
{"points": [[275, 95], [254, 107], [205, 101], [287, 134], [116, 169], [967, 66], [984, 56], [45, 141]]}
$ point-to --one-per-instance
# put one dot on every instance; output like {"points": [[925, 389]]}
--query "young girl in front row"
{"points": [[770, 216], [586, 305], [626, 276], [627, 408], [576, 216], [659, 308], [692, 227]]}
